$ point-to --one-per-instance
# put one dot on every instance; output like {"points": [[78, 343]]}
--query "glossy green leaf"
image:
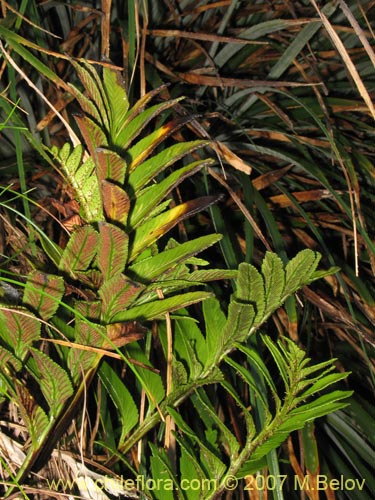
{"points": [[150, 381], [214, 324], [158, 308], [153, 229], [121, 397], [141, 176], [153, 267], [148, 199], [118, 102], [144, 148], [131, 129]]}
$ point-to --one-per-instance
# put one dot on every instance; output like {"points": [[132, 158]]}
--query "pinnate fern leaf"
{"points": [[110, 166], [80, 250], [148, 199], [79, 360], [81, 175], [95, 90], [158, 308], [116, 202], [155, 266], [43, 293], [251, 289], [19, 329], [274, 281], [117, 295], [6, 357], [140, 177], [53, 380], [132, 129], [112, 250], [301, 267], [149, 232], [118, 102]]}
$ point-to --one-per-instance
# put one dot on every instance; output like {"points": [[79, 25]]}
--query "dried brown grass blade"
{"points": [[347, 60]]}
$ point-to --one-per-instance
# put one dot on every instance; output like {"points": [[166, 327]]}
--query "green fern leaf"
{"points": [[83, 180], [282, 360], [140, 177], [251, 289], [91, 200], [112, 250], [149, 198], [299, 270], [94, 89], [53, 381], [189, 345], [19, 329], [80, 250], [117, 294], [110, 166], [158, 308], [132, 128], [209, 460], [215, 321], [93, 135], [114, 87], [209, 416], [144, 148], [71, 159], [43, 293], [206, 275], [6, 357], [153, 267], [274, 281], [86, 104], [79, 360], [237, 328], [64, 152], [153, 229]]}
